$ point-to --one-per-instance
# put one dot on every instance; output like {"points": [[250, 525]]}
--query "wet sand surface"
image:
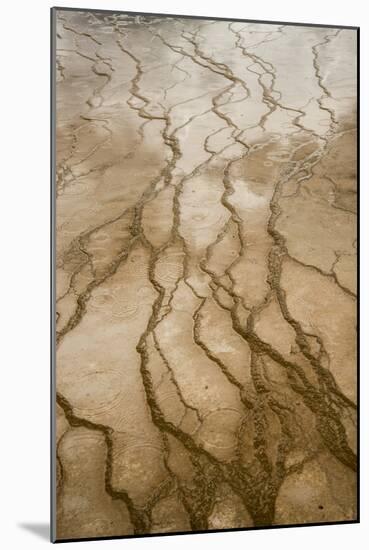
{"points": [[206, 270]]}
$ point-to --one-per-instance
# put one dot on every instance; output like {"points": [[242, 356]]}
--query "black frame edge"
{"points": [[212, 531], [358, 320]]}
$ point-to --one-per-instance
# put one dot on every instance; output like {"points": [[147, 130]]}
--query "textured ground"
{"points": [[206, 307]]}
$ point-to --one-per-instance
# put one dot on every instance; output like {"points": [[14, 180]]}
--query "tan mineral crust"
{"points": [[206, 274]]}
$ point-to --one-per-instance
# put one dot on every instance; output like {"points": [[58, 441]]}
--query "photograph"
{"points": [[204, 273]]}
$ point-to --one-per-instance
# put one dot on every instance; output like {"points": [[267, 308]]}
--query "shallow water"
{"points": [[206, 270]]}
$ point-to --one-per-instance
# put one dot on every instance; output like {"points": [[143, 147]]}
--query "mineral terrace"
{"points": [[206, 299]]}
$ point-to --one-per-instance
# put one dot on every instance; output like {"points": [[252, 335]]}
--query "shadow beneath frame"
{"points": [[42, 530]]}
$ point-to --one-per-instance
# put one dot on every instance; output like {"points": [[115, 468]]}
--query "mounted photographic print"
{"points": [[204, 239]]}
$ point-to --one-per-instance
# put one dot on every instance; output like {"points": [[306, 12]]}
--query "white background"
{"points": [[24, 272]]}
